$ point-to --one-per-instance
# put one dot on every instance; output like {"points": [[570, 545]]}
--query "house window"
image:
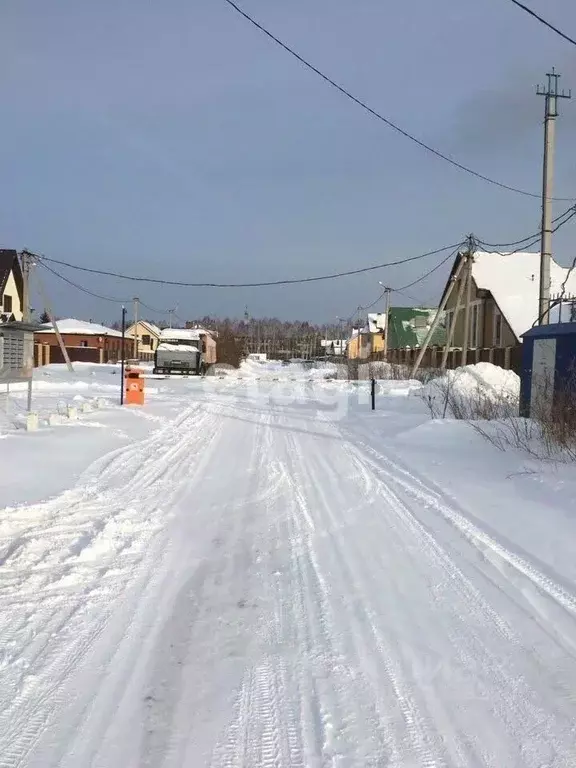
{"points": [[83, 343], [497, 328], [7, 303], [146, 340], [473, 337]]}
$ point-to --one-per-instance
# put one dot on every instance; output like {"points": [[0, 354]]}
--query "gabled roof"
{"points": [[150, 326], [513, 279], [409, 326], [80, 327], [514, 282], [9, 262]]}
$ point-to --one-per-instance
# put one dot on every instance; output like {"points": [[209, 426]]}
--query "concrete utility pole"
{"points": [[386, 314], [26, 265], [136, 302], [551, 113]]}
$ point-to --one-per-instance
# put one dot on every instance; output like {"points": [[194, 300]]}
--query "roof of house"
{"points": [[9, 262], [150, 326], [513, 279], [407, 331], [80, 327], [376, 322]]}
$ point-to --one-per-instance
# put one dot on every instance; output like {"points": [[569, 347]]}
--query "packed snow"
{"points": [[256, 570]]}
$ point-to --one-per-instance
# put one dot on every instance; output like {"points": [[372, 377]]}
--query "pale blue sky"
{"points": [[172, 139]]}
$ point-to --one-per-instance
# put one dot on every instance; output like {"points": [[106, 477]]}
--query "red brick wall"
{"points": [[111, 345]]}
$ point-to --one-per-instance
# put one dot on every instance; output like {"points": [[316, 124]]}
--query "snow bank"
{"points": [[276, 370], [480, 391], [491, 380]]}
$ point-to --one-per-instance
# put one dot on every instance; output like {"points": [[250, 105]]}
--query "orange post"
{"points": [[133, 386]]}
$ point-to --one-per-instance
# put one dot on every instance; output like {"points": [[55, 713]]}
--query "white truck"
{"points": [[180, 350]]}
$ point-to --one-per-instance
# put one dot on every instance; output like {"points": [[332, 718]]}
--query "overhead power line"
{"points": [[543, 21], [155, 310], [377, 114], [290, 281], [81, 287], [99, 295], [403, 288], [560, 220], [536, 235], [430, 272], [565, 219]]}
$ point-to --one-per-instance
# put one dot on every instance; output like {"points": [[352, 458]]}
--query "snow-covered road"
{"points": [[259, 584]]}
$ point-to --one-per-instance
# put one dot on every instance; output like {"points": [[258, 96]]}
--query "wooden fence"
{"points": [[509, 358]]}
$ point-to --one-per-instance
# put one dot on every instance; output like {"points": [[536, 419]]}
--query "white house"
{"points": [[11, 286]]}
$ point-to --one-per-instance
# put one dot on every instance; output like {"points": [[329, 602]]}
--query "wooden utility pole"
{"points": [[438, 317], [26, 262], [386, 314], [551, 113], [136, 303], [452, 329], [57, 333], [468, 279]]}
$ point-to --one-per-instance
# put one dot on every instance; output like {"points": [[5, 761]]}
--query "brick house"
{"points": [[84, 342], [11, 286], [504, 298]]}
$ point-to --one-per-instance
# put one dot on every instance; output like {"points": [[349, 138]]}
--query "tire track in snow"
{"points": [[521, 707], [416, 488], [27, 714], [265, 728], [389, 749]]}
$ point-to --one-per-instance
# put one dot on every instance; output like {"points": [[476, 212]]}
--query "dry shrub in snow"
{"points": [[474, 392], [488, 398], [555, 415]]}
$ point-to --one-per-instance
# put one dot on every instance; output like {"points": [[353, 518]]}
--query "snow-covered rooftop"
{"points": [[146, 324], [376, 322], [513, 280], [181, 334], [81, 327]]}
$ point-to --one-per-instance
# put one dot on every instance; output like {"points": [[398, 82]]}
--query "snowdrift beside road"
{"points": [[480, 390], [276, 370]]}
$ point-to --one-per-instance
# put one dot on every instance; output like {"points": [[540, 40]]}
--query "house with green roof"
{"points": [[409, 326]]}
